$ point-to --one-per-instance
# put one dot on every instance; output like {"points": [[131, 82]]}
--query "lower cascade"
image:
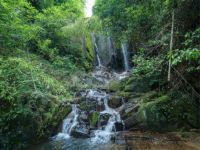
{"points": [[77, 124]]}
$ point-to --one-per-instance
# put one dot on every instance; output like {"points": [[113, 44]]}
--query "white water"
{"points": [[125, 56], [98, 58], [104, 135], [69, 123], [101, 135]]}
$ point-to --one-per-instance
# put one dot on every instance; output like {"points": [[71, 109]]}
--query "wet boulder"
{"points": [[128, 110], [84, 117], [100, 106], [119, 126], [115, 101], [131, 122], [81, 131], [103, 119]]}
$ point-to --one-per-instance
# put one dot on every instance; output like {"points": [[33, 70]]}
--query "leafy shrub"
{"points": [[190, 55], [146, 66], [46, 51]]}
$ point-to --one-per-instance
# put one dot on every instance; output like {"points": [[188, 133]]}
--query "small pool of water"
{"points": [[74, 144]]}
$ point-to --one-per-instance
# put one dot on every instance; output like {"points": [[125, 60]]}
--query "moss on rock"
{"points": [[115, 86], [152, 112], [93, 118]]}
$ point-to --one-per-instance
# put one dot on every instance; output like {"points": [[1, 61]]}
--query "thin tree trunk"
{"points": [[171, 47]]}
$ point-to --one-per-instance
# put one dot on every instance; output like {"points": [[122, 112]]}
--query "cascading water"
{"points": [[104, 135], [69, 123], [125, 56]]}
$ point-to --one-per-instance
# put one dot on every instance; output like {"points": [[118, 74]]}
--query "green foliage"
{"points": [[15, 24], [20, 74], [134, 20], [64, 63], [61, 31], [46, 51], [190, 54], [192, 39], [147, 23], [30, 100], [43, 4], [43, 32], [146, 66]]}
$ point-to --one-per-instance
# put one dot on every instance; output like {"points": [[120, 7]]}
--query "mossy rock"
{"points": [[93, 118], [125, 94], [131, 79], [129, 88], [152, 112], [115, 86]]}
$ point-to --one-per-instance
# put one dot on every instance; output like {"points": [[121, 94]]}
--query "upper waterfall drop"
{"points": [[97, 55], [125, 56], [96, 50]]}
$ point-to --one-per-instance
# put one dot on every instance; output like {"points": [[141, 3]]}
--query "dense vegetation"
{"points": [[45, 44]]}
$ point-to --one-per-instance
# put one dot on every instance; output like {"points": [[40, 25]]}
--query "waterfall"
{"points": [[97, 55], [96, 50], [69, 123], [125, 56]]}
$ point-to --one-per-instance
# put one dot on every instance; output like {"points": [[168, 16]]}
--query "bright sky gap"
{"points": [[88, 7]]}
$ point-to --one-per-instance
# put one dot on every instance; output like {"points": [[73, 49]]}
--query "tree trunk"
{"points": [[171, 47]]}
